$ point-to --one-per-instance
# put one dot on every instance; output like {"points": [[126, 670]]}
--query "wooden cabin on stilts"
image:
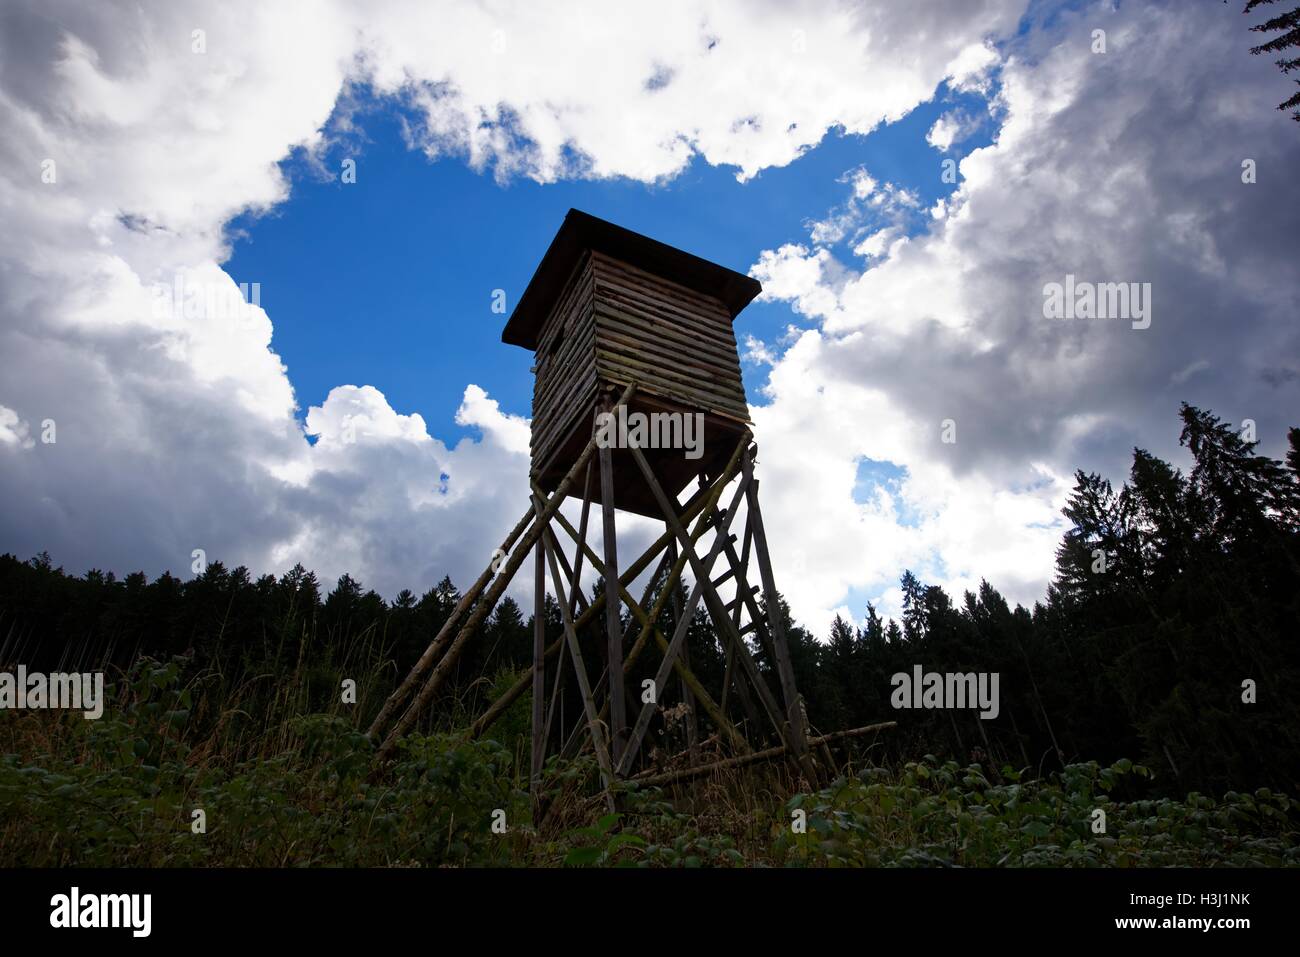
{"points": [[638, 405]]}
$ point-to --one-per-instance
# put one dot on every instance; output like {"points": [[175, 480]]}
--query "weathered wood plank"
{"points": [[682, 328], [649, 348], [674, 385], [659, 292]]}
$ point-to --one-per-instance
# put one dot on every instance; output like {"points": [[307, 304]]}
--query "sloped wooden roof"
{"points": [[581, 232]]}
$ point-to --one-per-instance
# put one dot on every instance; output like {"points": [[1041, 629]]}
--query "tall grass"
{"points": [[262, 743]]}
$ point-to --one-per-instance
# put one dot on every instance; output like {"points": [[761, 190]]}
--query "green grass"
{"points": [[281, 785]]}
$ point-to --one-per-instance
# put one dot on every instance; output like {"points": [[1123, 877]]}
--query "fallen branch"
{"points": [[669, 777]]}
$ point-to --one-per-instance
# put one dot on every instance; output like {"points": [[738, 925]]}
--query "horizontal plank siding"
{"points": [[674, 341], [566, 369], [614, 323]]}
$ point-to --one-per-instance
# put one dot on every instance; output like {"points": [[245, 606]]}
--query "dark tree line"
{"points": [[1173, 593]]}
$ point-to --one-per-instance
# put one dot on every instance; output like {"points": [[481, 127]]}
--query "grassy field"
{"points": [[279, 784]]}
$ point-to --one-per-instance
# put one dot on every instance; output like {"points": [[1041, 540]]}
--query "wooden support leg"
{"points": [[498, 707], [580, 672], [777, 627], [692, 509], [735, 620], [613, 616], [445, 633], [575, 593], [745, 596], [572, 746], [648, 629], [575, 597], [539, 669], [557, 693], [702, 503]]}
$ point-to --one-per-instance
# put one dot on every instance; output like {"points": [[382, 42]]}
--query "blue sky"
{"points": [[388, 281]]}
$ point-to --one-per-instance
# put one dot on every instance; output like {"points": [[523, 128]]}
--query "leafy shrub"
{"points": [[941, 814]]}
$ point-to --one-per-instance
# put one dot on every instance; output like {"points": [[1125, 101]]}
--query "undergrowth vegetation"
{"points": [[125, 789]]}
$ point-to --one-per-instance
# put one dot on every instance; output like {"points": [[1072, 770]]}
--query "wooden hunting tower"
{"points": [[608, 307], [621, 323]]}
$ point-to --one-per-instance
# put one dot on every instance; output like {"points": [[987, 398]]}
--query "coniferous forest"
{"points": [[1156, 678]]}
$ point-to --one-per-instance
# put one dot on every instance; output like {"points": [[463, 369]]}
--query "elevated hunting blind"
{"points": [[624, 328], [608, 307]]}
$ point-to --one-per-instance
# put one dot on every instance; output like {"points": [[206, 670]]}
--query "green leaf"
{"points": [[619, 840], [581, 856], [1036, 829]]}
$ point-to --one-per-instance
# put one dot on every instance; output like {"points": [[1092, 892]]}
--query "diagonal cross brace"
{"points": [[679, 633], [711, 597], [649, 629], [483, 607]]}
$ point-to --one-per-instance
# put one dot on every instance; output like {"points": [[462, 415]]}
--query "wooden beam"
{"points": [[572, 744], [742, 596], [692, 508], [557, 690], [584, 687], [729, 675], [484, 607], [648, 627], [575, 591], [745, 596], [688, 698], [702, 584], [703, 504], [613, 617], [777, 628], [711, 597], [446, 631], [498, 707], [651, 779], [539, 670], [574, 594]]}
